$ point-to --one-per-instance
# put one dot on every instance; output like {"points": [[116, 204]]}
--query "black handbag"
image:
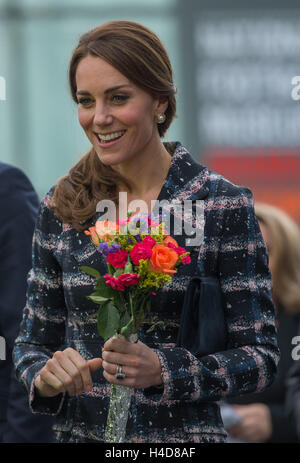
{"points": [[202, 328]]}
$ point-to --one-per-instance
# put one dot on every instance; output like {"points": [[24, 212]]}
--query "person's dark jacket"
{"points": [[283, 427], [58, 314], [18, 210]]}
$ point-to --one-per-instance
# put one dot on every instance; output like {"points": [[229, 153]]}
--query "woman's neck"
{"points": [[147, 173]]}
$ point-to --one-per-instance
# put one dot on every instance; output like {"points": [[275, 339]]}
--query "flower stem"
{"points": [[120, 397], [119, 404]]}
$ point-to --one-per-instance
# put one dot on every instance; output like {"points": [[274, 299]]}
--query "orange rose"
{"points": [[163, 259], [106, 229], [169, 239]]}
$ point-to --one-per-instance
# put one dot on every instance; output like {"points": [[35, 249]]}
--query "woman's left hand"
{"points": [[139, 363], [255, 425]]}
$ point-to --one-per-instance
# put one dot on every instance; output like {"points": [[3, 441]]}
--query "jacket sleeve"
{"points": [[249, 364], [42, 330], [19, 206]]}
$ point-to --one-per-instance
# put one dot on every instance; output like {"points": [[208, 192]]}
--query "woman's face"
{"points": [[267, 239], [119, 118]]}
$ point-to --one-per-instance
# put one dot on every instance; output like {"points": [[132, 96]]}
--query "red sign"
{"points": [[272, 174]]}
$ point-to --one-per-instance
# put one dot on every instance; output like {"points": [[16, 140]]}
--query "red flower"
{"points": [[113, 282], [128, 279], [140, 251], [149, 241], [118, 258], [178, 249], [186, 260]]}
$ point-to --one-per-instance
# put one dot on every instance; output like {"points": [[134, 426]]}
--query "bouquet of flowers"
{"points": [[141, 258]]}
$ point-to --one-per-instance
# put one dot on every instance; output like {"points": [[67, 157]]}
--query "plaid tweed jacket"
{"points": [[58, 314]]}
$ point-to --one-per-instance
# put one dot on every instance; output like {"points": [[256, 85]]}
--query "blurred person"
{"points": [[262, 417], [122, 81], [18, 209]]}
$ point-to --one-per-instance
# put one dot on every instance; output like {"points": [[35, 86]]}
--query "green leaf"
{"points": [[108, 320], [128, 267], [104, 290], [119, 301], [98, 299], [90, 271]]}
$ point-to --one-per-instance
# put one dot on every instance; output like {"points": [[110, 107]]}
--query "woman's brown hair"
{"points": [[137, 53], [284, 236]]}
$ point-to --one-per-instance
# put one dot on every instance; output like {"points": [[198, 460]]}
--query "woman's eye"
{"points": [[120, 98], [84, 101]]}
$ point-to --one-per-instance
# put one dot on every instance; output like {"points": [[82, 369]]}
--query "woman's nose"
{"points": [[102, 115]]}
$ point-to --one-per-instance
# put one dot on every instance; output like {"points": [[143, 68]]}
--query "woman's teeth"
{"points": [[110, 136]]}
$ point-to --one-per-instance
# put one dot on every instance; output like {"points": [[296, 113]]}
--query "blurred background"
{"points": [[235, 65]]}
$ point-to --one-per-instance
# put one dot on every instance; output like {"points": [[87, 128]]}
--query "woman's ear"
{"points": [[161, 105]]}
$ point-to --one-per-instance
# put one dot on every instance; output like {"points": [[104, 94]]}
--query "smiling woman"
{"points": [[121, 79]]}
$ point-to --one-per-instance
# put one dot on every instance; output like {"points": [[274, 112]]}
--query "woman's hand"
{"points": [[256, 423], [66, 371], [140, 364]]}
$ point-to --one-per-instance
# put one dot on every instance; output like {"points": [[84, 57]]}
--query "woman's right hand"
{"points": [[66, 371]]}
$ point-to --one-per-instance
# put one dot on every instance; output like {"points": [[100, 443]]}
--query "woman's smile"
{"points": [[109, 139]]}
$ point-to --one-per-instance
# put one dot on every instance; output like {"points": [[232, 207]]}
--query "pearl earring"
{"points": [[161, 118]]}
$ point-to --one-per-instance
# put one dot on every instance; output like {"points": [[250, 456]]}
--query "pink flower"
{"points": [[140, 251], [128, 279], [178, 249], [171, 245], [186, 260], [148, 240], [122, 223], [117, 259], [113, 282], [152, 223]]}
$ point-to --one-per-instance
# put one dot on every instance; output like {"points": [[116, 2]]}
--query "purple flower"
{"points": [[103, 248], [114, 247]]}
